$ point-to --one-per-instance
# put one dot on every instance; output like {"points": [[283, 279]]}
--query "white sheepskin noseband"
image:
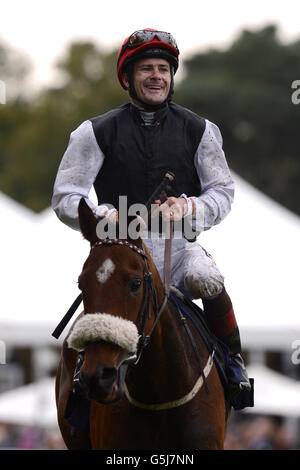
{"points": [[103, 326]]}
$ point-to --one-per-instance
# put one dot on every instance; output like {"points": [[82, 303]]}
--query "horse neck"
{"points": [[167, 335], [165, 363]]}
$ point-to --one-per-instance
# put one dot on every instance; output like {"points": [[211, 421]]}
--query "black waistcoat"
{"points": [[138, 156]]}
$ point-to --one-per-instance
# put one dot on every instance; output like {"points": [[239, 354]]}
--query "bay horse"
{"points": [[142, 396]]}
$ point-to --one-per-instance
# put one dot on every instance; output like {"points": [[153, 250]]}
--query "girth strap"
{"points": [[174, 403]]}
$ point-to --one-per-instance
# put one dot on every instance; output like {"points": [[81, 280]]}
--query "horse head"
{"points": [[113, 282]]}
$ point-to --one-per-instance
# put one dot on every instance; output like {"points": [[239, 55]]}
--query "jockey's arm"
{"points": [[217, 186], [76, 174]]}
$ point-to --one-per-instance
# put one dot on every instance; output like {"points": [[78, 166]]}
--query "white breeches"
{"points": [[192, 267]]}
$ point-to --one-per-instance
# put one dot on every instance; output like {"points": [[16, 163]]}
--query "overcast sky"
{"points": [[42, 29]]}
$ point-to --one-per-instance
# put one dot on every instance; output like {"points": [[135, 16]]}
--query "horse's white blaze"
{"points": [[105, 271], [103, 326]]}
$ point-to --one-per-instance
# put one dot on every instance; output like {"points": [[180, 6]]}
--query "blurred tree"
{"points": [[15, 70], [33, 136], [246, 90], [91, 86]]}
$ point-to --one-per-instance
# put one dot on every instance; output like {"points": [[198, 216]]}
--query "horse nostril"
{"points": [[108, 373], [99, 384]]}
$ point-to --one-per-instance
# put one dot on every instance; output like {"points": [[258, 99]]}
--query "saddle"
{"points": [[229, 371]]}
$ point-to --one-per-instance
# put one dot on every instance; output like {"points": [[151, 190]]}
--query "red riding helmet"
{"points": [[147, 42]]}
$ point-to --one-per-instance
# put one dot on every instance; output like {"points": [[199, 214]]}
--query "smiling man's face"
{"points": [[152, 80]]}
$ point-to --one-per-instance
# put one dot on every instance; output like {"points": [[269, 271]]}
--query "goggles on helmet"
{"points": [[143, 36]]}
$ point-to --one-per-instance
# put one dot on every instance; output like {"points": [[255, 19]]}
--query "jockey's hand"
{"points": [[174, 208], [114, 218], [143, 224]]}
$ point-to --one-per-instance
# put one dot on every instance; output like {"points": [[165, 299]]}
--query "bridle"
{"points": [[149, 295]]}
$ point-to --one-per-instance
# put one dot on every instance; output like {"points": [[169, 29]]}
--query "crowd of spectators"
{"points": [[29, 438], [244, 432], [255, 432]]}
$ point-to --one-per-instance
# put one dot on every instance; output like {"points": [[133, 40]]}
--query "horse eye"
{"points": [[135, 284]]}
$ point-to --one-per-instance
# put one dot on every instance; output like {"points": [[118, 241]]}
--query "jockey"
{"points": [[128, 150]]}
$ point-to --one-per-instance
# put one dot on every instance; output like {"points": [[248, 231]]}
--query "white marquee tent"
{"points": [[256, 248], [30, 405], [274, 393], [41, 260]]}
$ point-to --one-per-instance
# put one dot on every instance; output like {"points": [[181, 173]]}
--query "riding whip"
{"points": [[167, 179]]}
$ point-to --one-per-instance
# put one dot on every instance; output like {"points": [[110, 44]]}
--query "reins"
{"points": [[167, 284]]}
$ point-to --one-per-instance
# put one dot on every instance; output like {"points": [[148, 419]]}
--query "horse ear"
{"points": [[87, 221], [137, 238]]}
